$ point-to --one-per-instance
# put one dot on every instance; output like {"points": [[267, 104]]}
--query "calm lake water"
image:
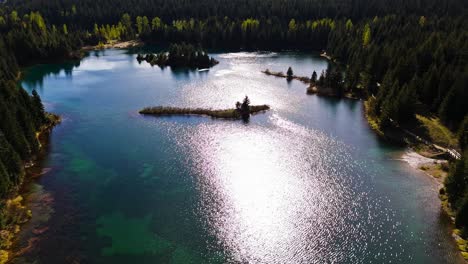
{"points": [[307, 182]]}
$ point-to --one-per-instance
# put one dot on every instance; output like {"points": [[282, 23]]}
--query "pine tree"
{"points": [[289, 73], [38, 109], [314, 77]]}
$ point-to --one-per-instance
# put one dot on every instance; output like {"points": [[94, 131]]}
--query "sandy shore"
{"points": [[432, 167], [115, 45]]}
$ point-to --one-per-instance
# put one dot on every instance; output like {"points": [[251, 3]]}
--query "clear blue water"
{"points": [[307, 182]]}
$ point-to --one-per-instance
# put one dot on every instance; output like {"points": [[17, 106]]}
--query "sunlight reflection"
{"points": [[269, 195]]}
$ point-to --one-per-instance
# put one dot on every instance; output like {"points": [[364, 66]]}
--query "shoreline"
{"points": [[16, 209], [438, 170], [422, 160], [418, 160]]}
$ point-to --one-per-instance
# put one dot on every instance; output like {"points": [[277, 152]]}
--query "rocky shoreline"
{"points": [[15, 210]]}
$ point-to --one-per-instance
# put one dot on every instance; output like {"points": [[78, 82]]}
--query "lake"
{"points": [[306, 182]]}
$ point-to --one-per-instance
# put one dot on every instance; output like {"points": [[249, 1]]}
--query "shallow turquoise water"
{"points": [[307, 182]]}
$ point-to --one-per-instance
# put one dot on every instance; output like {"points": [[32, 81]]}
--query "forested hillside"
{"points": [[87, 12], [23, 39], [406, 57]]}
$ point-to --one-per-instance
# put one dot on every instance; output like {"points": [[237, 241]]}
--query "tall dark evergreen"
{"points": [[289, 73], [313, 78]]}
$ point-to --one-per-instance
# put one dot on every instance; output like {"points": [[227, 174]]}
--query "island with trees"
{"points": [[180, 55], [241, 111]]}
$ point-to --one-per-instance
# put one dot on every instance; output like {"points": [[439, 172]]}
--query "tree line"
{"points": [[84, 13]]}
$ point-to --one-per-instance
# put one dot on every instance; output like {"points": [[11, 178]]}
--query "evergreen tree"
{"points": [[38, 109], [314, 77], [289, 73]]}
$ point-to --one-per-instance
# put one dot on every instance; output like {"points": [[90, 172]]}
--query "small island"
{"points": [[241, 111], [180, 55]]}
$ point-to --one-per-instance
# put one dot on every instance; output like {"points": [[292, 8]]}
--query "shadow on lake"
{"points": [[35, 79]]}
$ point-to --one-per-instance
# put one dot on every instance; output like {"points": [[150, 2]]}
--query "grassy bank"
{"points": [[456, 233], [220, 113], [436, 132], [14, 212], [372, 120]]}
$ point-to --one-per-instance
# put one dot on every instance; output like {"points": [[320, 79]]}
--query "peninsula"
{"points": [[329, 83]]}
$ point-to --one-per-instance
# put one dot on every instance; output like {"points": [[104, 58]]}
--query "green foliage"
{"points": [[422, 21], [292, 25], [410, 69], [14, 16], [438, 133], [366, 35], [18, 141], [349, 24], [126, 27], [461, 218], [453, 108], [250, 25], [37, 21], [22, 115], [156, 24], [463, 134], [456, 188]]}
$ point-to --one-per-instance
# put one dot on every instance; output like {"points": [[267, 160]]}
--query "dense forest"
{"points": [[84, 13], [23, 40], [456, 184], [405, 57]]}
